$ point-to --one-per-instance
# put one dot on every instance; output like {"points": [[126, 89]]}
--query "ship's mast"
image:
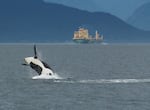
{"points": [[86, 34], [97, 35]]}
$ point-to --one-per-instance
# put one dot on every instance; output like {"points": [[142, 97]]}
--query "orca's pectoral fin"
{"points": [[24, 64], [37, 68]]}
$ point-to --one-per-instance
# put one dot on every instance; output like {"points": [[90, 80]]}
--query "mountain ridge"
{"points": [[120, 8], [32, 21], [141, 17]]}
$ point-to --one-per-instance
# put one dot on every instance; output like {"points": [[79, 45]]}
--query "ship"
{"points": [[82, 36]]}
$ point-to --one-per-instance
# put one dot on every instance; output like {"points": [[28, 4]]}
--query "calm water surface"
{"points": [[101, 77]]}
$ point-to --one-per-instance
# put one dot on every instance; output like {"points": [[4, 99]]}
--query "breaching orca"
{"points": [[42, 68]]}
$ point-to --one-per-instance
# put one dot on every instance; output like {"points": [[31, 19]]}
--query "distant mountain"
{"points": [[36, 21], [120, 8], [141, 17]]}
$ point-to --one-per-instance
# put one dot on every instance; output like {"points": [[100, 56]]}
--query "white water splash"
{"points": [[103, 81], [55, 76]]}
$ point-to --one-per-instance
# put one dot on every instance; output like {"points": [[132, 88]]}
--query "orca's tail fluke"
{"points": [[35, 52]]}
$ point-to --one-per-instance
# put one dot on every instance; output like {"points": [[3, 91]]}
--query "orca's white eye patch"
{"points": [[28, 60]]}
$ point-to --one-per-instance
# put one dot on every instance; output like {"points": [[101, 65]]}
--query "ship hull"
{"points": [[95, 41], [81, 41], [84, 41]]}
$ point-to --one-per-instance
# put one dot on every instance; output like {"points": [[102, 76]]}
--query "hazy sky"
{"points": [[120, 8]]}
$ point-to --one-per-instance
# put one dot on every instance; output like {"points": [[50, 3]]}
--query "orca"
{"points": [[42, 68]]}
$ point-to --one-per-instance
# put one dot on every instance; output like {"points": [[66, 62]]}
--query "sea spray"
{"points": [[105, 81], [55, 76]]}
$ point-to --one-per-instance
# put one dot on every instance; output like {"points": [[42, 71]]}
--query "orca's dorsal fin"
{"points": [[35, 52]]}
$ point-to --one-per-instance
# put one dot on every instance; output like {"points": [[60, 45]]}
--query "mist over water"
{"points": [[105, 77]]}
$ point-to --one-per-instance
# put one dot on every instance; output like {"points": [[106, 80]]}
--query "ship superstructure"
{"points": [[82, 36]]}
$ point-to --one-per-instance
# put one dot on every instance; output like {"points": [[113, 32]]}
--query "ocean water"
{"points": [[94, 77]]}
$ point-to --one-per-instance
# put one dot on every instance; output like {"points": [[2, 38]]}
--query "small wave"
{"points": [[104, 43], [103, 81]]}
